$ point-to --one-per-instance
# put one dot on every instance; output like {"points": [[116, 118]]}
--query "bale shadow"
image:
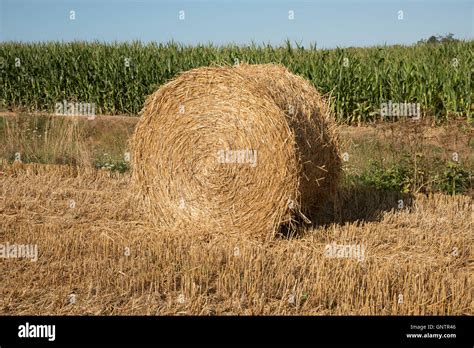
{"points": [[354, 203]]}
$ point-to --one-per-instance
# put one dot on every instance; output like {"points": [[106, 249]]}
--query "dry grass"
{"points": [[82, 251], [278, 121], [45, 139]]}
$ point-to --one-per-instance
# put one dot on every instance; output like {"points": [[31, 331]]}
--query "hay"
{"points": [[216, 150], [309, 115]]}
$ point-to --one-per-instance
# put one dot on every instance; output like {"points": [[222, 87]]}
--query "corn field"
{"points": [[117, 77]]}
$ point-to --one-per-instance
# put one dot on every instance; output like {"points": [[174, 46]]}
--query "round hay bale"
{"points": [[215, 150], [309, 115]]}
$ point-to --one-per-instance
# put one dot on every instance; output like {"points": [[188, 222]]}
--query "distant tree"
{"points": [[448, 38], [432, 40], [439, 39]]}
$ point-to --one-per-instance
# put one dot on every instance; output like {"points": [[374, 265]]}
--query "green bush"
{"points": [[453, 179], [395, 178], [405, 177]]}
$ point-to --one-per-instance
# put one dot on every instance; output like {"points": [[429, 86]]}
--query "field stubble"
{"points": [[418, 259]]}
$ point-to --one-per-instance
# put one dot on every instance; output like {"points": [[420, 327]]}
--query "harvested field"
{"points": [[98, 256]]}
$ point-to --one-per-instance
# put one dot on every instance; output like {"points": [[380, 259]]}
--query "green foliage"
{"points": [[394, 178], [405, 177], [439, 39], [454, 179], [359, 80], [107, 162]]}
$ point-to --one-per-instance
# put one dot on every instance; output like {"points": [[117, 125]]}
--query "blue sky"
{"points": [[328, 23]]}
